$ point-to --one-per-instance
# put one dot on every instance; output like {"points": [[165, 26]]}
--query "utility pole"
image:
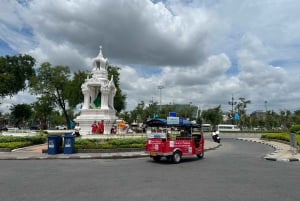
{"points": [[232, 103], [266, 106], [160, 87]]}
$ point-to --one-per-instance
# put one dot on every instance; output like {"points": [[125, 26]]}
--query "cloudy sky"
{"points": [[202, 52]]}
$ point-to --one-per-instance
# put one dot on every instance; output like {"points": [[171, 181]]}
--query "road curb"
{"points": [[277, 150], [283, 159], [111, 155], [63, 157]]}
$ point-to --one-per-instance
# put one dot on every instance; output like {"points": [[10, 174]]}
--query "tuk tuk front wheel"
{"points": [[177, 157]]}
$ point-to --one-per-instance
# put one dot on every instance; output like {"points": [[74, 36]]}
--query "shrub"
{"points": [[14, 145], [18, 142], [295, 129], [34, 139], [85, 144], [280, 136], [14, 142], [110, 143]]}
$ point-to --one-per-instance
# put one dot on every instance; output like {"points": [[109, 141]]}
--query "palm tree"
{"points": [[241, 109]]}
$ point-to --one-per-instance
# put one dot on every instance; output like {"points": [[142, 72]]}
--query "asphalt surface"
{"points": [[234, 171], [282, 152], [36, 153]]}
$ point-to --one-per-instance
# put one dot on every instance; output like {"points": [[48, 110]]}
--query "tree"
{"points": [[270, 121], [285, 119], [212, 116], [296, 117], [73, 91], [21, 113], [14, 72], [52, 82], [151, 110], [125, 116], [42, 108], [137, 114], [241, 109], [120, 98]]}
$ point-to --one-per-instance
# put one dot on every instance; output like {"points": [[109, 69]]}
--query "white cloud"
{"points": [[133, 32], [201, 51], [253, 68], [23, 97], [181, 85]]}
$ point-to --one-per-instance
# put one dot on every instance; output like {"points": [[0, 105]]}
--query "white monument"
{"points": [[99, 93]]}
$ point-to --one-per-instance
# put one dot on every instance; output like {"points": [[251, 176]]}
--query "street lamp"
{"points": [[160, 87], [266, 105], [232, 103]]}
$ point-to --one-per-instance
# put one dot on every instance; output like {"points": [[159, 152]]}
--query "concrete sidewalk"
{"points": [[35, 153], [283, 152]]}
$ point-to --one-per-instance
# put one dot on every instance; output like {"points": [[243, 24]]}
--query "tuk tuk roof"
{"points": [[157, 122], [160, 122]]}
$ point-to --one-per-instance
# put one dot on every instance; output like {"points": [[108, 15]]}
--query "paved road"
{"points": [[234, 171]]}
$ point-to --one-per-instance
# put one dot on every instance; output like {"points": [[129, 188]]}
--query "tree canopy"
{"points": [[14, 72], [120, 98], [73, 91], [20, 113], [213, 116], [42, 108], [52, 82]]}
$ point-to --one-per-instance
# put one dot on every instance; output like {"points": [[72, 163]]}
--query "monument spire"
{"points": [[99, 62], [100, 52]]}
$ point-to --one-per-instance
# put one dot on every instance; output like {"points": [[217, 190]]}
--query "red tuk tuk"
{"points": [[174, 140]]}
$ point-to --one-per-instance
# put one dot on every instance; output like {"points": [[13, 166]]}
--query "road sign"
{"points": [[172, 114], [172, 120]]}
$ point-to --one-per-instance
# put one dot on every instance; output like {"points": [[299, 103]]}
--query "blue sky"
{"points": [[201, 51], [5, 49]]}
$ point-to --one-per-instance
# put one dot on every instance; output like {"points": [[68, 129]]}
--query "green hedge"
{"points": [[14, 142], [295, 129], [18, 142], [34, 139], [110, 143], [14, 145], [280, 136]]}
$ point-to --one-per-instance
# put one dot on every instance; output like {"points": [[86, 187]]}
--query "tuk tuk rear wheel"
{"points": [[177, 157], [200, 155]]}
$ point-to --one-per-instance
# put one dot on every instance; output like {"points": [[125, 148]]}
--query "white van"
{"points": [[206, 127], [228, 127]]}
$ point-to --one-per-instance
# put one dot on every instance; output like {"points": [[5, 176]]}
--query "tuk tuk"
{"points": [[173, 139]]}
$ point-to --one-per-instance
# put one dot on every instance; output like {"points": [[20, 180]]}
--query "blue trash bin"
{"points": [[69, 144], [54, 143]]}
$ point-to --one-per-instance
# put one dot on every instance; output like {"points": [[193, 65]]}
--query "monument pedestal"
{"points": [[88, 116]]}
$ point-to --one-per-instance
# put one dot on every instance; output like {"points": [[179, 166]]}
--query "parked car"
{"points": [[3, 129], [34, 127], [60, 127]]}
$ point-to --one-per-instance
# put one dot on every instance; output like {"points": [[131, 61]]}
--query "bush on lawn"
{"points": [[280, 136], [14, 142], [295, 129], [14, 145], [110, 143]]}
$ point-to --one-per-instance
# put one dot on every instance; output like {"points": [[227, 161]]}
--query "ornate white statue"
{"points": [[99, 93]]}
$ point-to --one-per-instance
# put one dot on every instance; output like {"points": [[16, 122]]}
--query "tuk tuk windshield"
{"points": [[160, 128]]}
